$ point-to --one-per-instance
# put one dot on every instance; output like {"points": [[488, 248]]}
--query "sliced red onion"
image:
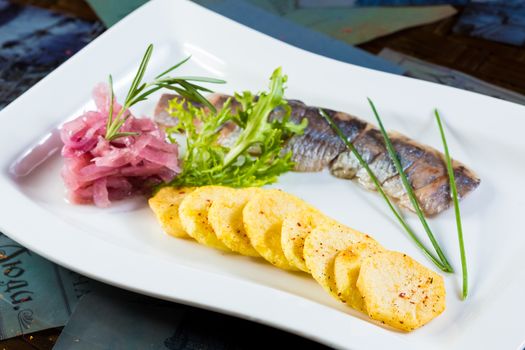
{"points": [[98, 171]]}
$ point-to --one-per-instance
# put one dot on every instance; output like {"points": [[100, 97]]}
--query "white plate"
{"points": [[125, 246]]}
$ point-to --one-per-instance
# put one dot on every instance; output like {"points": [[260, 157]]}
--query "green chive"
{"points": [[409, 190], [454, 193], [379, 189]]}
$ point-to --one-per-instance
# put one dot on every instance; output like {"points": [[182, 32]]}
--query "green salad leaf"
{"points": [[256, 156]]}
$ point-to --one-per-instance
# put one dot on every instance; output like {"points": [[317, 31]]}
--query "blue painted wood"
{"points": [[346, 3], [33, 42], [502, 21], [296, 35]]}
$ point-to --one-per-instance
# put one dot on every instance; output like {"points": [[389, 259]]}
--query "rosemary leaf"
{"points": [[200, 79], [172, 68], [139, 91], [111, 101], [140, 72]]}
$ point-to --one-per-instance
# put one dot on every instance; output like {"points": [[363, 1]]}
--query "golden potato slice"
{"points": [[165, 204], [193, 212], [399, 291], [263, 216], [225, 217], [296, 227], [347, 265], [321, 247]]}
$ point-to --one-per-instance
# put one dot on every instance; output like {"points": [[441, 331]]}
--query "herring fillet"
{"points": [[319, 148]]}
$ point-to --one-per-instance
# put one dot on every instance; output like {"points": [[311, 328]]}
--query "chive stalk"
{"points": [[379, 189], [454, 194], [410, 191]]}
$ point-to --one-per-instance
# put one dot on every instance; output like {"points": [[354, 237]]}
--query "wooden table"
{"points": [[496, 63]]}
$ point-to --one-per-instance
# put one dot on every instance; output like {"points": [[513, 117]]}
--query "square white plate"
{"points": [[125, 246]]}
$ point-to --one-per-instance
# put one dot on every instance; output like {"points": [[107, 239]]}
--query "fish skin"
{"points": [[435, 196], [466, 179], [383, 166], [297, 111], [319, 148], [393, 187], [347, 166], [228, 132], [319, 145], [426, 167], [369, 144], [161, 115]]}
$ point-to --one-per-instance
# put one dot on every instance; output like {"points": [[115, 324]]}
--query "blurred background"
{"points": [[476, 45]]}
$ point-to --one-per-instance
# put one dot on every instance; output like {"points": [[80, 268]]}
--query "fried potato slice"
{"points": [[399, 291], [263, 216], [193, 212], [225, 217], [296, 227], [321, 247], [347, 265], [165, 204]]}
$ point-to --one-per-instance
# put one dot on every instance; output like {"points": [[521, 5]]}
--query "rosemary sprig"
{"points": [[410, 192], [454, 193], [139, 91], [379, 189]]}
